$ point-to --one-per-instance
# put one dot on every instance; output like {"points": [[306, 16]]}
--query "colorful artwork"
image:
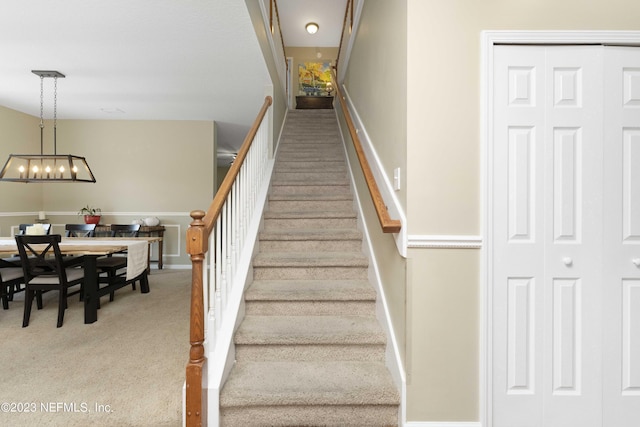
{"points": [[314, 78]]}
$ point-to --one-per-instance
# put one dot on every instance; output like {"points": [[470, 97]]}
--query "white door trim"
{"points": [[488, 41]]}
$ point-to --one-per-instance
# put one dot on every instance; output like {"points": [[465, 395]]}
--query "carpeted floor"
{"points": [[127, 369]]}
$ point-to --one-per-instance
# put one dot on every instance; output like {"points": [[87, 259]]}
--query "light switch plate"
{"points": [[396, 179]]}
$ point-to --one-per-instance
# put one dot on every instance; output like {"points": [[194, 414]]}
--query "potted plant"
{"points": [[91, 215]]}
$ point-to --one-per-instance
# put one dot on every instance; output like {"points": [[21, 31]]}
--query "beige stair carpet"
{"points": [[310, 351]]}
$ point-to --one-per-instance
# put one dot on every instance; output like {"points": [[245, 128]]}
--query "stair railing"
{"points": [[224, 229], [274, 6], [348, 17], [388, 224]]}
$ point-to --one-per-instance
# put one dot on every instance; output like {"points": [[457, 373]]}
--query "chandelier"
{"points": [[47, 167]]}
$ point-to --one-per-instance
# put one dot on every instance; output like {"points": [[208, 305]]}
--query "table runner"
{"points": [[137, 252]]}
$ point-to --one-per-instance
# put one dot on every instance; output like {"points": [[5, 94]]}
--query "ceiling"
{"points": [[149, 59], [295, 14]]}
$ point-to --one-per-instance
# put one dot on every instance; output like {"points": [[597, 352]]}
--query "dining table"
{"points": [[90, 249]]}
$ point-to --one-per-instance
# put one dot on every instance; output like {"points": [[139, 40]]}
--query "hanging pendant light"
{"points": [[47, 167]]}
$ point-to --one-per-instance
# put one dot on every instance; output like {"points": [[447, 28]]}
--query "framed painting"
{"points": [[314, 79]]}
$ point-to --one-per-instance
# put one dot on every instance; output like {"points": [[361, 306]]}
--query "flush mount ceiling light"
{"points": [[312, 27], [47, 167]]}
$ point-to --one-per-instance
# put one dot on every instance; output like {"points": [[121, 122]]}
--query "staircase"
{"points": [[310, 350]]}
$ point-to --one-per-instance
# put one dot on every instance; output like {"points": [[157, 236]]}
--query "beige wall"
{"points": [[443, 96], [19, 134], [279, 106], [221, 173], [442, 335], [376, 80], [142, 168]]}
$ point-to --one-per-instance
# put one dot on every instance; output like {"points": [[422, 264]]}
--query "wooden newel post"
{"points": [[197, 243]]}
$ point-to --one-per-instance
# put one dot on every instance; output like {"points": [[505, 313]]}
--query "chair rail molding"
{"points": [[453, 241], [73, 213]]}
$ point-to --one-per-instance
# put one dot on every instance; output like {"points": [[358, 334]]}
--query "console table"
{"points": [[145, 230], [314, 102], [156, 230]]}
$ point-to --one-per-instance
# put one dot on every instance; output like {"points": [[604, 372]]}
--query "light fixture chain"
{"points": [[55, 101], [55, 114], [41, 115], [41, 101]]}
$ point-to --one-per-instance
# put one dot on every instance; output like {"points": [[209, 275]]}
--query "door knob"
{"points": [[568, 261], [636, 262]]}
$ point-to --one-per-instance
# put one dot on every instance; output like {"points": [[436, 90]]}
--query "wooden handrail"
{"points": [[286, 64], [344, 27], [388, 225], [197, 246], [223, 191]]}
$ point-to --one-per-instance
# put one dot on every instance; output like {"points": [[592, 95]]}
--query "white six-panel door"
{"points": [[553, 314], [621, 281]]}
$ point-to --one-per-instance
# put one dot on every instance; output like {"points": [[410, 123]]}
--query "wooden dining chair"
{"points": [[22, 228], [11, 279], [80, 230], [77, 230], [114, 266], [44, 270]]}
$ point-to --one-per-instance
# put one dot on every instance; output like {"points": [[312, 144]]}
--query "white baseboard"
{"points": [[443, 424]]}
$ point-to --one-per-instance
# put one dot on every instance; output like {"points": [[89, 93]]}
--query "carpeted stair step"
{"points": [[300, 337], [293, 144], [310, 177], [310, 297], [310, 219], [306, 156], [316, 165], [265, 330], [314, 393], [310, 188], [312, 265], [331, 133], [310, 202], [310, 240], [317, 149]]}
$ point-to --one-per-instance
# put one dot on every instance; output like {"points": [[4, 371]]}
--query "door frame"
{"points": [[489, 39]]}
